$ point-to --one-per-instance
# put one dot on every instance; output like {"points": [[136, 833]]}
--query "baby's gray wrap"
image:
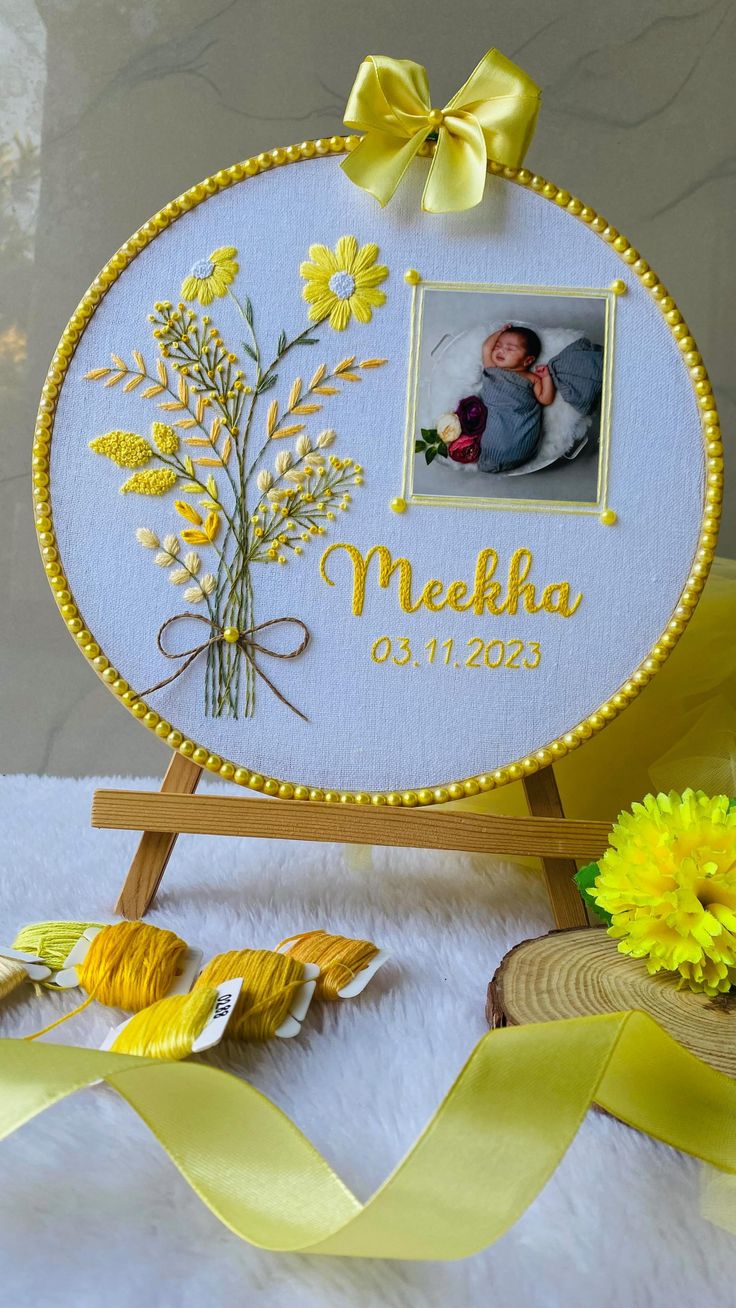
{"points": [[577, 372], [514, 423]]}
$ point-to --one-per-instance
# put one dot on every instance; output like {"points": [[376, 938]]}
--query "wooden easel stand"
{"points": [[162, 815]]}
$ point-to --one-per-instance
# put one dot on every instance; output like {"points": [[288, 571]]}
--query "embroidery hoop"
{"points": [[435, 794]]}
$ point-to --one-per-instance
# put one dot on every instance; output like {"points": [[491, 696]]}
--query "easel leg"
{"points": [[154, 850], [543, 799]]}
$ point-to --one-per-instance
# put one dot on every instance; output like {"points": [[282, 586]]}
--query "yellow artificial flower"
{"points": [[669, 882], [210, 278], [343, 283]]}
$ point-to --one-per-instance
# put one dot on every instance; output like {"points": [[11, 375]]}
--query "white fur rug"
{"points": [[92, 1211]]}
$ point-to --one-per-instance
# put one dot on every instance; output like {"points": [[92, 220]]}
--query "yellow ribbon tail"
{"points": [[484, 1156], [379, 162], [457, 174]]}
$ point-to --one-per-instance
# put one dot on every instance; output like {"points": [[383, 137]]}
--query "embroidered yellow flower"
{"points": [[154, 481], [165, 437], [210, 278], [123, 447], [669, 881], [343, 282]]}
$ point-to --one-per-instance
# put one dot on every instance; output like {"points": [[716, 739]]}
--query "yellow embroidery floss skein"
{"points": [[338, 957], [270, 981], [169, 1028], [12, 975], [51, 941], [128, 965]]}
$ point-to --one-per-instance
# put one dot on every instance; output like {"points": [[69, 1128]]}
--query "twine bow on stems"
{"points": [[232, 636]]}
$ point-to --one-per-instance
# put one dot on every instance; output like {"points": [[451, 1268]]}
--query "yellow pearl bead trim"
{"points": [[485, 782]]}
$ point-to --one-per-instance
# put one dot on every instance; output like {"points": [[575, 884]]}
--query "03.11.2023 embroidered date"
{"points": [[476, 653]]}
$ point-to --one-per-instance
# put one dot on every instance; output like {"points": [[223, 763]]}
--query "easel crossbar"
{"points": [[543, 837]]}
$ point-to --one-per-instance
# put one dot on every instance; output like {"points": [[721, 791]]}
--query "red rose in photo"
{"points": [[466, 449], [472, 413]]}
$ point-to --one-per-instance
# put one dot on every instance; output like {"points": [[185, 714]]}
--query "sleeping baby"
{"points": [[514, 394]]}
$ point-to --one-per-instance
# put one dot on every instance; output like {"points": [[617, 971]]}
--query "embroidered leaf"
{"points": [[182, 390], [210, 504], [211, 485], [248, 310], [134, 380], [287, 431], [200, 408], [124, 448], [162, 374], [303, 409], [193, 536], [267, 382], [208, 583], [115, 378], [173, 406], [119, 363], [179, 576], [283, 461], [197, 440], [209, 463], [350, 376], [193, 594], [215, 429], [96, 374], [150, 391], [227, 448], [139, 360], [186, 511], [249, 350], [193, 561], [154, 481], [372, 363], [272, 416], [188, 465], [326, 390], [147, 538], [164, 559], [317, 376], [186, 422], [264, 480], [295, 392], [344, 365], [326, 438], [281, 343], [212, 526], [192, 488], [171, 544], [303, 446]]}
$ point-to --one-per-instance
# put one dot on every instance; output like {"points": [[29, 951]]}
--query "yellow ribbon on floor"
{"points": [[488, 1150], [492, 117]]}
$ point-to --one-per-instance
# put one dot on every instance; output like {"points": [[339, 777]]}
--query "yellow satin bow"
{"points": [[492, 117]]}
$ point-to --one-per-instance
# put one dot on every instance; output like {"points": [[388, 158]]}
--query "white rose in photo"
{"points": [[448, 427]]}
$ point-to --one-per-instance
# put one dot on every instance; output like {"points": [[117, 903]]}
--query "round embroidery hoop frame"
{"points": [[438, 793]]}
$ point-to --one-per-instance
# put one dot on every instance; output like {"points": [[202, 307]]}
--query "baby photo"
{"points": [[510, 395]]}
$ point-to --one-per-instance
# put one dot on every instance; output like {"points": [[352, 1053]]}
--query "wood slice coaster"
{"points": [[578, 972]]}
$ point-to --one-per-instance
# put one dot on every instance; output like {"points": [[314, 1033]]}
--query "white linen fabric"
{"points": [[91, 1209], [371, 726]]}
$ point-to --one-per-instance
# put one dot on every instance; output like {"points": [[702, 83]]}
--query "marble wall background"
{"points": [[118, 106]]}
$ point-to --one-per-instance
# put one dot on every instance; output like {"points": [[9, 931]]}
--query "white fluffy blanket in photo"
{"points": [[92, 1212], [457, 371]]}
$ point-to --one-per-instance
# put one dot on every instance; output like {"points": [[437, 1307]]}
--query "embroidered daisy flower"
{"points": [[343, 283], [210, 278]]}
